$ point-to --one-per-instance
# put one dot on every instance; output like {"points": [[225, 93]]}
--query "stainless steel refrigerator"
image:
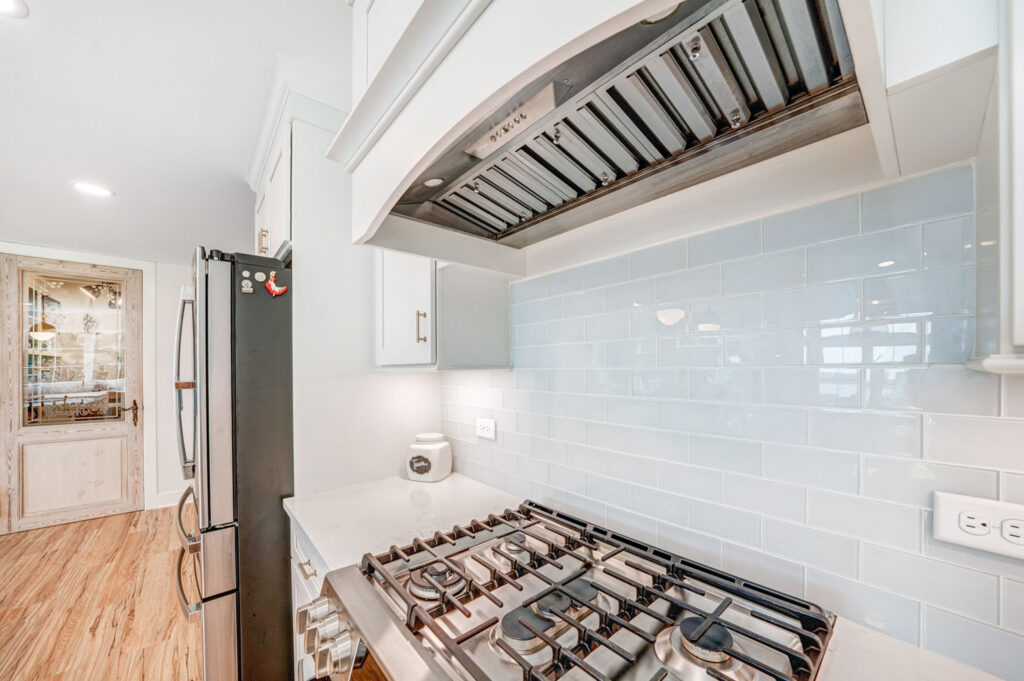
{"points": [[233, 392]]}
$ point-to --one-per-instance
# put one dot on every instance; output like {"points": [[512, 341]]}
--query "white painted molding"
{"points": [[866, 40], [431, 35]]}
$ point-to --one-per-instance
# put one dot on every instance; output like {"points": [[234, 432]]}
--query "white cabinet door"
{"points": [[273, 204], [405, 309]]}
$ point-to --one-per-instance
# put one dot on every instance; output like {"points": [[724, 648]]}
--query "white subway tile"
{"points": [[967, 592], [785, 346], [988, 442], [634, 469], [669, 319], [551, 451], [608, 381], [584, 355], [658, 259], [762, 568], [727, 385], [1013, 487], [886, 612], [582, 303], [604, 272], [1013, 605], [615, 492], [530, 379], [773, 424], [691, 545], [529, 289], [864, 431], [690, 351], [943, 389], [727, 243], [690, 481], [565, 281], [530, 334], [821, 468], [811, 547], [660, 505], [893, 343], [784, 269], [920, 294], [586, 458], [661, 383], [949, 341], [728, 523], [985, 647], [631, 294], [567, 380], [819, 387], [585, 507], [631, 353], [632, 524], [535, 470], [592, 407], [813, 305], [694, 417], [565, 330], [985, 561], [875, 521], [567, 430], [545, 309], [567, 479], [547, 495], [517, 400], [890, 252], [608, 326], [771, 498], [552, 404], [912, 481], [632, 412], [949, 192], [948, 243], [532, 424], [820, 222], [514, 443], [703, 282], [608, 436], [726, 314], [742, 456], [659, 444]]}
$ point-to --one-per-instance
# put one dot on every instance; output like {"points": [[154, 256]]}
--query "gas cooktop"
{"points": [[533, 594]]}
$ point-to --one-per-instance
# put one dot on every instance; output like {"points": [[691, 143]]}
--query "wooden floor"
{"points": [[95, 600]]}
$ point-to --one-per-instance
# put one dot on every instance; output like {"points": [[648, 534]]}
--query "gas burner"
{"points": [[516, 634], [711, 645], [424, 582], [680, 655], [513, 543]]}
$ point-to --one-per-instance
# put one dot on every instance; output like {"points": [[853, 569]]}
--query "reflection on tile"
{"points": [[699, 547], [629, 295], [703, 282], [948, 243], [767, 347], [664, 320], [912, 481], [727, 243], [871, 607], [865, 256], [773, 424], [822, 468], [727, 385], [661, 383], [950, 192], [604, 272], [696, 351], [658, 259], [821, 222], [896, 343], [824, 387], [784, 269], [943, 389], [949, 340], [726, 314], [921, 294], [813, 305], [875, 521], [979, 645], [864, 431]]}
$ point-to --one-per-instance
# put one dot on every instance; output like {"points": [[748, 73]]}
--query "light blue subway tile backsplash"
{"points": [[780, 397]]}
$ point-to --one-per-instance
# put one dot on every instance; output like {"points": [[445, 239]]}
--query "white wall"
{"points": [[352, 422]]}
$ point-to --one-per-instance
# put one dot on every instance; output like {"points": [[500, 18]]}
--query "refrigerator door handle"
{"points": [[191, 610], [189, 542], [188, 465]]}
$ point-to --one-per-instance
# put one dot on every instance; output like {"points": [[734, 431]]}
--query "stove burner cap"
{"points": [[512, 624], [712, 643], [554, 602], [518, 538], [422, 582]]}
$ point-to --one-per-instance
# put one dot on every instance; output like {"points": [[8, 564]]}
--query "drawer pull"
{"points": [[305, 567]]}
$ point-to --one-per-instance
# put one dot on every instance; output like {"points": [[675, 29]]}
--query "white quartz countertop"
{"points": [[345, 523]]}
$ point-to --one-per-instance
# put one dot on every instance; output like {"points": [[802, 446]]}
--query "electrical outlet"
{"points": [[485, 429], [983, 524]]}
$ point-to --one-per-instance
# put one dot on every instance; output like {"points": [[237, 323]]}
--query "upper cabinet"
{"points": [[273, 195], [440, 315]]}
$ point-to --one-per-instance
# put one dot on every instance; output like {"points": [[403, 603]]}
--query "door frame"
{"points": [[153, 495]]}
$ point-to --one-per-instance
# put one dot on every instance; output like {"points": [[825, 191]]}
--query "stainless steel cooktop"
{"points": [[533, 594]]}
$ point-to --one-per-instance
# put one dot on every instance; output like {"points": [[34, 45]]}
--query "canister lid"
{"points": [[430, 437]]}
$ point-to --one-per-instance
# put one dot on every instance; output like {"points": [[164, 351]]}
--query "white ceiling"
{"points": [[160, 101]]}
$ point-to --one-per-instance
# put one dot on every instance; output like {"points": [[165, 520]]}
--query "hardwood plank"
{"points": [[95, 600]]}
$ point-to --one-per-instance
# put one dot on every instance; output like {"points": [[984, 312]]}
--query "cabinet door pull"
{"points": [[263, 247], [304, 567], [420, 315]]}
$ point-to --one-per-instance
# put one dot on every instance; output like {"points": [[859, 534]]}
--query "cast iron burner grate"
{"points": [[705, 632]]}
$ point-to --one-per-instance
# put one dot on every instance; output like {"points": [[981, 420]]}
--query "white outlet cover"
{"points": [[485, 429], [951, 510]]}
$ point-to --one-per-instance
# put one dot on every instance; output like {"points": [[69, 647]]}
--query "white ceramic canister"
{"points": [[430, 458]]}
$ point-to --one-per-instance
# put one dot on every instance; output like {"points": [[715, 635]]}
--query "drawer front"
{"points": [[307, 561]]}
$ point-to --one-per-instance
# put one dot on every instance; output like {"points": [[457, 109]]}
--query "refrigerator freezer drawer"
{"points": [[216, 567], [220, 638]]}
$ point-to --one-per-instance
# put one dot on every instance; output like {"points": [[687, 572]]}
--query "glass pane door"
{"points": [[73, 343]]}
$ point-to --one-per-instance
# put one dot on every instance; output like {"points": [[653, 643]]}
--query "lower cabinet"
{"points": [[307, 579]]}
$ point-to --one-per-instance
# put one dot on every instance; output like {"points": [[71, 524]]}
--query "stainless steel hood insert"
{"points": [[713, 87]]}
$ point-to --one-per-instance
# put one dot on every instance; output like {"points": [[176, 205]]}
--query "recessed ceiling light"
{"points": [[13, 9], [432, 182], [90, 188]]}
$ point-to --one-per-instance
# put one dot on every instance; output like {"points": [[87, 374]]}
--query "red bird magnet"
{"points": [[272, 286]]}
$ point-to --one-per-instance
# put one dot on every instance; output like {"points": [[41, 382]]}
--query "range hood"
{"points": [[678, 99]]}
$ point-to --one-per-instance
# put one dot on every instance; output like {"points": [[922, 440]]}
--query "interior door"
{"points": [[72, 385]]}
